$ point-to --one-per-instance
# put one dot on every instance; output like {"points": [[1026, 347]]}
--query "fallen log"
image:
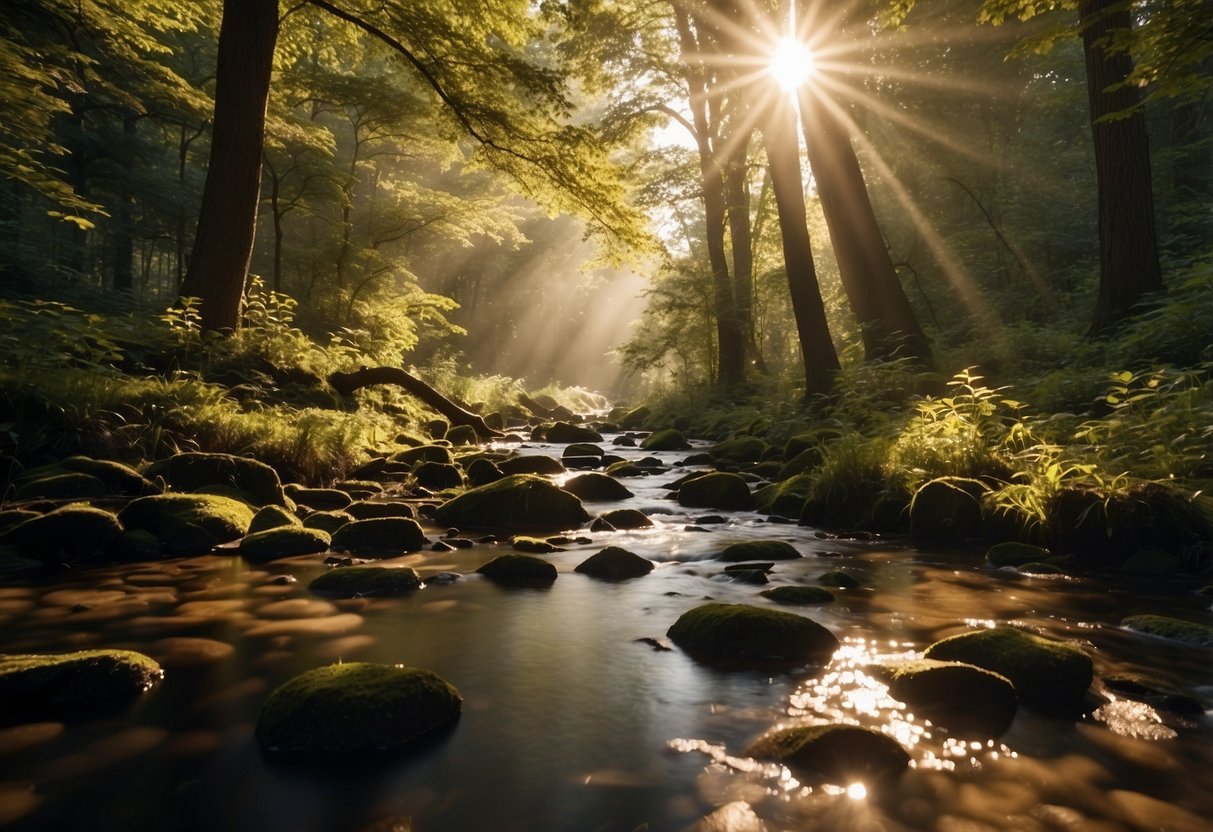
{"points": [[347, 383]]}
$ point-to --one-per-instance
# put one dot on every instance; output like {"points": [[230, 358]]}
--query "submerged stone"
{"points": [[193, 471], [597, 487], [522, 570], [283, 542], [716, 490], [841, 754], [357, 581], [961, 697], [732, 632], [355, 707], [798, 595], [71, 534], [38, 685], [615, 564], [759, 550], [188, 524], [385, 536], [1175, 629], [520, 501]]}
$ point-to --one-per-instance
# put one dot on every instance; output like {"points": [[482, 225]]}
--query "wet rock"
{"points": [[656, 644], [68, 485], [785, 498], [363, 488], [71, 534], [601, 525], [623, 442], [188, 524], [740, 449], [634, 419], [519, 570], [1154, 692], [272, 517], [321, 499], [1049, 676], [625, 468], [746, 576], [564, 433], [424, 453], [798, 595], [38, 685], [839, 579], [1015, 554], [327, 521], [462, 435], [193, 471], [482, 471], [627, 518], [372, 509], [138, 545], [716, 490], [669, 439], [534, 545], [438, 475], [357, 581], [774, 550], [582, 450], [355, 707], [283, 542], [946, 510], [1041, 569], [531, 464], [615, 564], [840, 754], [961, 697], [118, 478], [381, 536], [1175, 629], [519, 501], [597, 488], [738, 632]]}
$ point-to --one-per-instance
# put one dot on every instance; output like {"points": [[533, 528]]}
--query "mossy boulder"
{"points": [[118, 478], [839, 754], [741, 633], [483, 471], [355, 708], [194, 471], [584, 450], [615, 564], [371, 509], [716, 490], [564, 433], [519, 570], [625, 468], [785, 498], [272, 517], [627, 518], [531, 464], [321, 499], [533, 545], [38, 685], [424, 453], [946, 510], [760, 550], [1049, 676], [670, 439], [961, 697], [283, 542], [798, 596], [327, 521], [462, 435], [357, 581], [838, 579], [634, 419], [1013, 553], [438, 475], [188, 524], [1175, 629], [379, 536], [739, 449], [597, 487], [68, 485], [519, 501], [71, 534]]}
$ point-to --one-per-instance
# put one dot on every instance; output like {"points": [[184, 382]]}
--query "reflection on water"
{"points": [[571, 721]]}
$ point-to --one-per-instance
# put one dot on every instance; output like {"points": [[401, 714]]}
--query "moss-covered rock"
{"points": [[759, 550], [634, 419], [188, 524], [597, 487], [1049, 676], [357, 581], [283, 542], [670, 439], [520, 501], [739, 449], [840, 754], [1153, 691], [1041, 569], [583, 450], [379, 537], [438, 475], [462, 435], [272, 517], [519, 570], [838, 579], [356, 707], [65, 486], [564, 433], [738, 632], [798, 596], [961, 697], [531, 464], [483, 471], [38, 685], [615, 564], [627, 518], [71, 534], [118, 478], [624, 468], [424, 453], [534, 545], [327, 521], [371, 509], [1013, 553], [194, 471], [321, 499], [1175, 629], [716, 490], [785, 498], [946, 510]]}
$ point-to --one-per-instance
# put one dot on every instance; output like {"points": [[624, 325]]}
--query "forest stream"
{"points": [[579, 714]]}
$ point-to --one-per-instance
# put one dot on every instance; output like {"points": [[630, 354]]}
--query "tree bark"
{"points": [[1128, 243], [737, 194], [227, 219], [347, 383]]}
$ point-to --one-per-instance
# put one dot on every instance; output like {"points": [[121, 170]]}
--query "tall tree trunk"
{"points": [[227, 219], [123, 238], [783, 160], [1128, 244], [737, 194], [886, 319]]}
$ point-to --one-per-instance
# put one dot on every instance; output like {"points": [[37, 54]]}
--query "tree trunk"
{"points": [[347, 383], [783, 160], [227, 219], [737, 193], [123, 237], [1128, 246]]}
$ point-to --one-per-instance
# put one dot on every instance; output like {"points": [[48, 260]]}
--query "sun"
{"points": [[792, 64]]}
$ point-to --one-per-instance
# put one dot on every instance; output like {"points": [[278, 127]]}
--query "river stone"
{"points": [[564, 433], [624, 468], [382, 536], [139, 545], [670, 439], [483, 471], [716, 490], [118, 478], [798, 595], [627, 518], [519, 570], [1049, 676], [583, 450], [946, 510], [424, 453], [1013, 553], [520, 501], [739, 449], [462, 435], [355, 707], [438, 475], [1153, 691], [759, 550], [1175, 629], [283, 542], [65, 486], [840, 754], [615, 564], [838, 579], [961, 697], [634, 419], [531, 464], [35, 685], [785, 498], [192, 471], [533, 545], [597, 487], [71, 534], [357, 581], [371, 509], [1041, 569], [272, 517], [188, 524], [327, 521], [1153, 562], [729, 632], [321, 499]]}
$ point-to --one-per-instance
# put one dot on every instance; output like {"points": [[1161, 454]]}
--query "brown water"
{"points": [[572, 724]]}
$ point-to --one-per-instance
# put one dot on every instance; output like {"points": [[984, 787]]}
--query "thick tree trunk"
{"points": [[227, 220], [783, 160], [737, 193], [123, 238], [1128, 245], [347, 383]]}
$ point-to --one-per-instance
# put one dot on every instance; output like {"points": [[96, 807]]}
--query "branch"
{"points": [[347, 383]]}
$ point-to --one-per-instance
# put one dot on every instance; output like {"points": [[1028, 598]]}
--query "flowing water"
{"points": [[570, 721]]}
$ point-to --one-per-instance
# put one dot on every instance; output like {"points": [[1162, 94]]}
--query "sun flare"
{"points": [[792, 64]]}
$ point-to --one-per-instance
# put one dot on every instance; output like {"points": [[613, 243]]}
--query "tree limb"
{"points": [[347, 383]]}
